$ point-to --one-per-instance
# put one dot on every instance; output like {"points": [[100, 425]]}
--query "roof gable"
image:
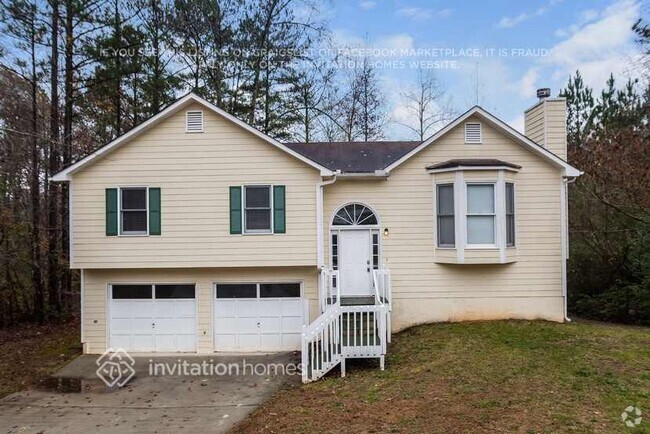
{"points": [[568, 170], [178, 105]]}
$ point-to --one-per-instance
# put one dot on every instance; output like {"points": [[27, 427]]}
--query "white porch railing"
{"points": [[321, 344], [383, 295], [328, 291], [342, 332]]}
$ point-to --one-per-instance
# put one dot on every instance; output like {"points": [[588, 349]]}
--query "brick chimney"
{"points": [[545, 123]]}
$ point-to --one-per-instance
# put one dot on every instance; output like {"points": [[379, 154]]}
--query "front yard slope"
{"points": [[506, 376]]}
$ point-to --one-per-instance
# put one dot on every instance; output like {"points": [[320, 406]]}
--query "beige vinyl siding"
{"points": [[556, 127], [527, 288], [194, 172], [545, 124], [96, 283]]}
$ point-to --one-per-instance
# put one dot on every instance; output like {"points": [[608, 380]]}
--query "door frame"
{"points": [[109, 297], [373, 229]]}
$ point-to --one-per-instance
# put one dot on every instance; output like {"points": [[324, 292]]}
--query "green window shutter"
{"points": [[111, 211], [279, 209], [154, 211], [235, 210]]}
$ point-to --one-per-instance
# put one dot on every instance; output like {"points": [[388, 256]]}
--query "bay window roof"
{"points": [[458, 163]]}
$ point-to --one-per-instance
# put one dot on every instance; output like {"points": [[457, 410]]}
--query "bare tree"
{"points": [[427, 106]]}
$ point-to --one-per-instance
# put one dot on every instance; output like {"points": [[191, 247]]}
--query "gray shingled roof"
{"points": [[471, 162], [354, 157]]}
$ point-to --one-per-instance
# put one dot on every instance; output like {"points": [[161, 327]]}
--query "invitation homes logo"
{"points": [[115, 367]]}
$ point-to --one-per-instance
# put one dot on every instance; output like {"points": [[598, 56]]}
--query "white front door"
{"points": [[355, 262]]}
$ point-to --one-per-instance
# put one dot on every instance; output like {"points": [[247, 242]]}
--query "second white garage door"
{"points": [[257, 316]]}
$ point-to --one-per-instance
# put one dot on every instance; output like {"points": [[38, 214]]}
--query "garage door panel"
{"points": [[142, 343], [290, 341], [175, 326], [246, 308], [143, 325], [270, 308], [257, 324], [175, 308], [270, 325], [270, 342], [225, 309], [246, 325], [248, 342], [291, 307], [122, 326], [292, 324]]}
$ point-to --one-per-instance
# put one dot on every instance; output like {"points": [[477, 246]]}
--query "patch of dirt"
{"points": [[31, 353]]}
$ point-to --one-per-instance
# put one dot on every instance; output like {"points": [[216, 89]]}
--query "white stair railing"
{"points": [[321, 344], [342, 332]]}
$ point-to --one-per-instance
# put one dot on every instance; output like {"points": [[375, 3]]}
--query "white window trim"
{"points": [[437, 223], [119, 211], [494, 215], [202, 121], [514, 211], [243, 214]]}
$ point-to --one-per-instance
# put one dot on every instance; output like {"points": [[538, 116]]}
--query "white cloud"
{"points": [[598, 44], [526, 87], [508, 22], [402, 41], [518, 123], [423, 14], [366, 5], [599, 47]]}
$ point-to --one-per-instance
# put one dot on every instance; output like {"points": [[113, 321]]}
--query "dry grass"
{"points": [[497, 377], [30, 353]]}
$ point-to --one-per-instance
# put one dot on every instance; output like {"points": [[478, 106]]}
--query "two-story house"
{"points": [[194, 232]]}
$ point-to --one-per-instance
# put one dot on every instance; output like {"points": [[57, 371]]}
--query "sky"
{"points": [[513, 47]]}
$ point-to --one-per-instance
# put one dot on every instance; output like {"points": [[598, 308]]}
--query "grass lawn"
{"points": [[30, 353], [505, 376]]}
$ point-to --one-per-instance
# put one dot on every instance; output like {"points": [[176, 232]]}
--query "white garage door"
{"points": [[149, 318], [257, 317]]}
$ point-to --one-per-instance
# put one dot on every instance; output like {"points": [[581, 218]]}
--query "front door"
{"points": [[355, 263]]}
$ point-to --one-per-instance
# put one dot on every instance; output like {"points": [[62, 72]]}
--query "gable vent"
{"points": [[473, 132], [194, 121]]}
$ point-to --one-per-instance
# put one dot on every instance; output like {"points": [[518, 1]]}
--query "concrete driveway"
{"points": [[177, 403]]}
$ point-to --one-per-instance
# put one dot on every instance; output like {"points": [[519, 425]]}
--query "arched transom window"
{"points": [[355, 214]]}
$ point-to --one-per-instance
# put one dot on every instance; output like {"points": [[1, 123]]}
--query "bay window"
{"points": [[480, 214], [510, 214]]}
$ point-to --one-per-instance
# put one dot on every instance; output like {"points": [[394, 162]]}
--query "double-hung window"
{"points": [[510, 214], [257, 209], [133, 210], [445, 215], [480, 214]]}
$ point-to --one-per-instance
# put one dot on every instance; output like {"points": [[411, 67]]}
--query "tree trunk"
{"points": [[68, 108], [53, 242], [35, 193]]}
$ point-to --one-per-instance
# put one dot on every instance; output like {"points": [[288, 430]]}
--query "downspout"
{"points": [[319, 219], [565, 242]]}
